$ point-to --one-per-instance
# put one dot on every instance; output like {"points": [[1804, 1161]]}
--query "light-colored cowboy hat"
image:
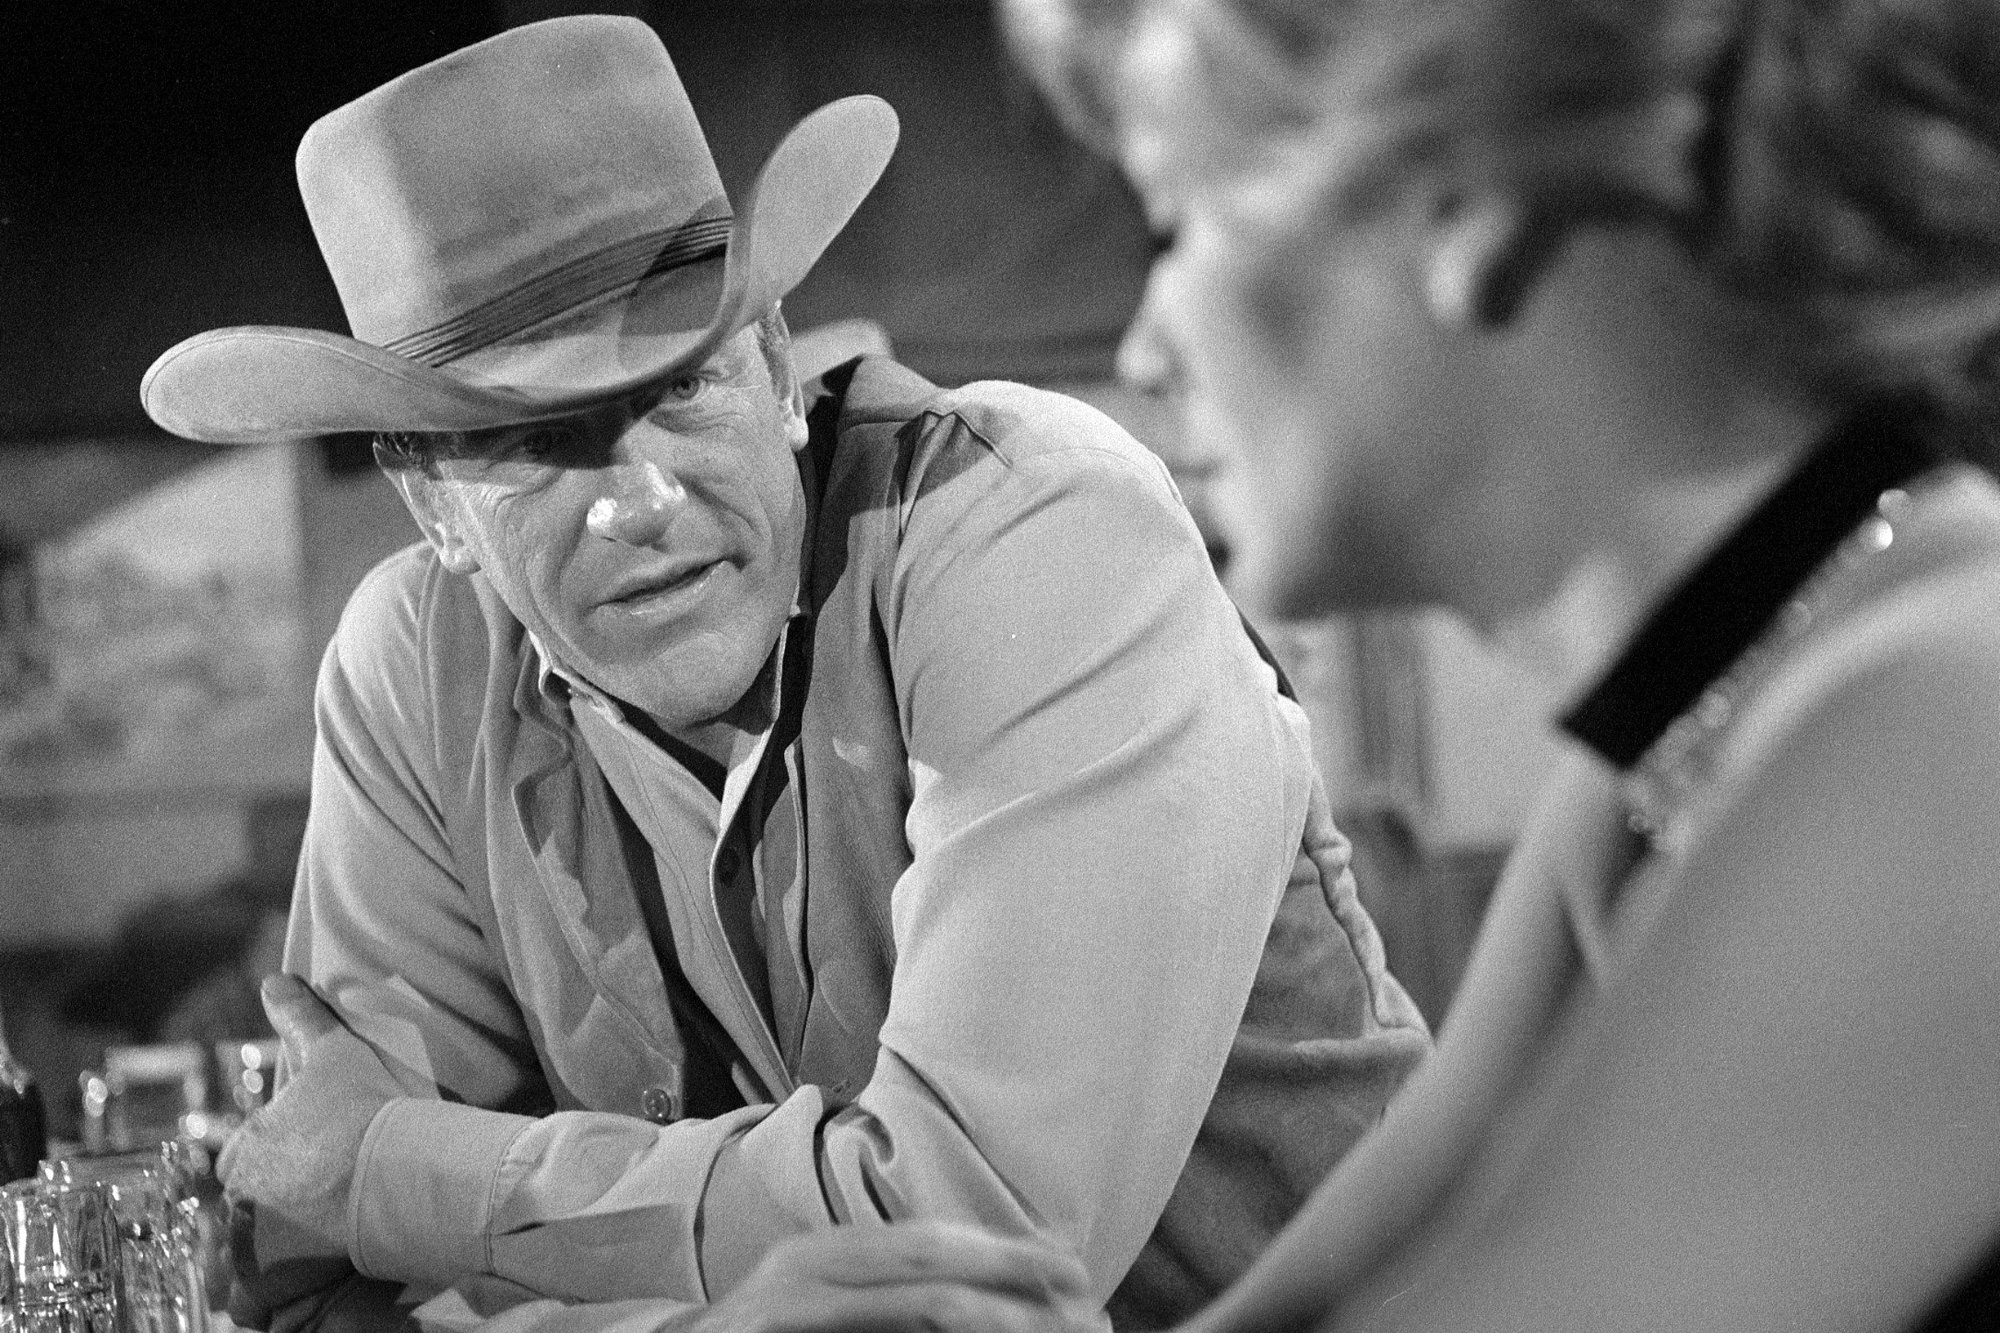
{"points": [[518, 229]]}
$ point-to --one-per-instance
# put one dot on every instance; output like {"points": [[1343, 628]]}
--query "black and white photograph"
{"points": [[1000, 666]]}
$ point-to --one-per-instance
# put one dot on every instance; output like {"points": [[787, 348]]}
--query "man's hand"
{"points": [[924, 1277], [291, 1164]]}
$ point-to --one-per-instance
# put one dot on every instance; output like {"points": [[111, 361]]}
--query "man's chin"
{"points": [[683, 688]]}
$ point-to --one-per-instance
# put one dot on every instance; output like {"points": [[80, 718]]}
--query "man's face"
{"points": [[652, 543]]}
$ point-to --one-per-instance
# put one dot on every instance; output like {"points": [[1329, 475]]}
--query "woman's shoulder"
{"points": [[1875, 741]]}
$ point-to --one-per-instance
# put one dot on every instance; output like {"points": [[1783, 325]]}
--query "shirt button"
{"points": [[727, 863], [660, 1105]]}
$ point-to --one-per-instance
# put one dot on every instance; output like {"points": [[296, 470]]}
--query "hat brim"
{"points": [[259, 384]]}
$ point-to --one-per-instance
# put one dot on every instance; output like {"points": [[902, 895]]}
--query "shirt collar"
{"points": [[556, 682], [1724, 604]]}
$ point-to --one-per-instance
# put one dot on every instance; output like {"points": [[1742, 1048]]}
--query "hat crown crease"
{"points": [[496, 170]]}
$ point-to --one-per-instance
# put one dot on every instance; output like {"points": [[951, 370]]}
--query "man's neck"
{"points": [[707, 759], [707, 749], [731, 735]]}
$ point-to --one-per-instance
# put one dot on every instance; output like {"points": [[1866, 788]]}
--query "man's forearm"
{"points": [[584, 1205]]}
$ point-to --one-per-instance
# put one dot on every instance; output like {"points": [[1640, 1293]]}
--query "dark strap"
{"points": [[1723, 604]]}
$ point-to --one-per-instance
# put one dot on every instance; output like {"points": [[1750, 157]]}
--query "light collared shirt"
{"points": [[718, 898], [1074, 951]]}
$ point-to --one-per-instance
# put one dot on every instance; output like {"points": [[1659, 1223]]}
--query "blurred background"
{"points": [[163, 604]]}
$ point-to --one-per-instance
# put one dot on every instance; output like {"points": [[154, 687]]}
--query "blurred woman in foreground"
{"points": [[1680, 316]]}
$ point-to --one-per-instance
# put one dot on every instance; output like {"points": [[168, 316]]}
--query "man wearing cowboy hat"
{"points": [[743, 816]]}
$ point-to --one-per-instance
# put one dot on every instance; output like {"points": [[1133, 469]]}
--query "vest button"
{"points": [[660, 1105]]}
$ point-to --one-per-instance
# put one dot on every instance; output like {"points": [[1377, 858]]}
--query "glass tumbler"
{"points": [[155, 1223], [159, 1283], [203, 1220], [61, 1257]]}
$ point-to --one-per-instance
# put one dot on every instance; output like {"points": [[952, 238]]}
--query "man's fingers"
{"points": [[298, 1015], [947, 1252]]}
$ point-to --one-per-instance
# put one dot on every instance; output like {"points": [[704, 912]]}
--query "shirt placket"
{"points": [[737, 892], [732, 881], [701, 939]]}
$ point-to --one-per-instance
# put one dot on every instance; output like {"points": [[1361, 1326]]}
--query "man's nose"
{"points": [[638, 505]]}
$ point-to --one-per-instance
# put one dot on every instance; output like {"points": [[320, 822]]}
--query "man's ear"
{"points": [[793, 407], [785, 381], [1484, 256], [424, 497]]}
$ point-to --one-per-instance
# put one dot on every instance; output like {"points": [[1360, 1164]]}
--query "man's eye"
{"points": [[544, 442], [666, 393], [1162, 240]]}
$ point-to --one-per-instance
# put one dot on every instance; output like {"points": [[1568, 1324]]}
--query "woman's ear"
{"points": [[425, 498], [1484, 256]]}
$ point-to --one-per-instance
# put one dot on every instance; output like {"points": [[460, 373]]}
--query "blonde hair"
{"points": [[1257, 53], [1836, 159]]}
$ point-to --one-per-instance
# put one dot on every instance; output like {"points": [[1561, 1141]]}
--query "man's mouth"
{"points": [[665, 592]]}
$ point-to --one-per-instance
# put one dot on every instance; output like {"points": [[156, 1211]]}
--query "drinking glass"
{"points": [[61, 1257], [157, 1221], [159, 1281]]}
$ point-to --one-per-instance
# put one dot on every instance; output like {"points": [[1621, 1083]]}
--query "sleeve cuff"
{"points": [[424, 1190]]}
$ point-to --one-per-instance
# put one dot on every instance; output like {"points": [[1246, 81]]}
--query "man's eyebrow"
{"points": [[726, 362], [729, 358], [476, 442]]}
